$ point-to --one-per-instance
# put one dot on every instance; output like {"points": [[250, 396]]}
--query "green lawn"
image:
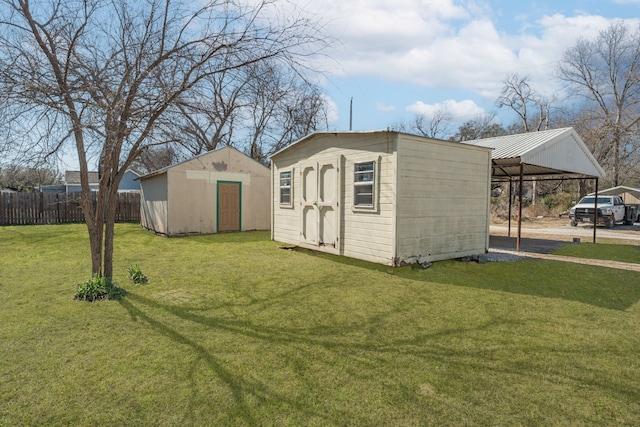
{"points": [[623, 253], [231, 330]]}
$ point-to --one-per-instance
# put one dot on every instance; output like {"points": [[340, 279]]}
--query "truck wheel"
{"points": [[574, 223], [611, 221]]}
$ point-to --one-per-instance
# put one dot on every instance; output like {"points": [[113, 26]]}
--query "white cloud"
{"points": [[332, 110], [463, 110], [538, 56], [409, 50], [385, 108], [448, 44]]}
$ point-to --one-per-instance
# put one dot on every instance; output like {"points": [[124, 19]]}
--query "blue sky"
{"points": [[402, 57]]}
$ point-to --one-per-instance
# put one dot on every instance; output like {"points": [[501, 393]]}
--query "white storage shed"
{"points": [[219, 191], [382, 196]]}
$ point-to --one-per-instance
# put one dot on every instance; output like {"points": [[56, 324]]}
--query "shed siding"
{"points": [[369, 234], [153, 203], [256, 199], [366, 234], [443, 200], [192, 204]]}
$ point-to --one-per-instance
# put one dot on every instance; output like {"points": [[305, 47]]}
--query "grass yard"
{"points": [[231, 330], [622, 253]]}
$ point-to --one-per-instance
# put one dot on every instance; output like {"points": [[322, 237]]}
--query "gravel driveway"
{"points": [[585, 233], [541, 237]]}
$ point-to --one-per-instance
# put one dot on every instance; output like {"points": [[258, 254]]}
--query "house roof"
{"points": [[557, 152], [73, 177], [208, 153]]}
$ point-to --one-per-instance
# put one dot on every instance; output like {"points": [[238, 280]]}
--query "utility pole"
{"points": [[351, 114]]}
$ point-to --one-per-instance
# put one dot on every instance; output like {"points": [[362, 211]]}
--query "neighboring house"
{"points": [[72, 181], [130, 182], [72, 184], [222, 190], [382, 196]]}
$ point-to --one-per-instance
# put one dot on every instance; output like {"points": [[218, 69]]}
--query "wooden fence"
{"points": [[52, 208]]}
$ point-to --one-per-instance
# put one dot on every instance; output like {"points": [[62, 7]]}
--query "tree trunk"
{"points": [[110, 231], [95, 243], [93, 222], [616, 159], [582, 189]]}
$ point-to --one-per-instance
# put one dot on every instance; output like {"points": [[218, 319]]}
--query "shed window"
{"points": [[285, 188], [364, 184]]}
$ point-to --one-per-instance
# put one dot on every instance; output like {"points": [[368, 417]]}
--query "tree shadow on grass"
{"points": [[241, 388], [304, 345], [597, 286], [456, 349]]}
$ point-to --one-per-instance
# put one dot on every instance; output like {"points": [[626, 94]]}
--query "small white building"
{"points": [[219, 191], [382, 196], [630, 195]]}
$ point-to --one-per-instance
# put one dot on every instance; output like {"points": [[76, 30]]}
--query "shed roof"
{"points": [[320, 134], [557, 152], [200, 156]]}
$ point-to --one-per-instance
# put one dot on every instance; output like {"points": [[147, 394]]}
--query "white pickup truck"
{"points": [[611, 210]]}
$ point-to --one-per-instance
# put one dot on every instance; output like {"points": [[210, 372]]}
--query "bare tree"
{"points": [[208, 118], [101, 73], [606, 72], [518, 95], [481, 127], [260, 109], [20, 178], [154, 158], [279, 108], [434, 125]]}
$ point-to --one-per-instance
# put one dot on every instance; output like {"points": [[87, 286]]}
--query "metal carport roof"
{"points": [[550, 154], [557, 152]]}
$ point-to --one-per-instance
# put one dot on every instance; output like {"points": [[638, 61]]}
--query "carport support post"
{"points": [[510, 203], [595, 213], [520, 208]]}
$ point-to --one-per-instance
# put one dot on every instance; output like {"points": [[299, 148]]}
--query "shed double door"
{"points": [[320, 205]]}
